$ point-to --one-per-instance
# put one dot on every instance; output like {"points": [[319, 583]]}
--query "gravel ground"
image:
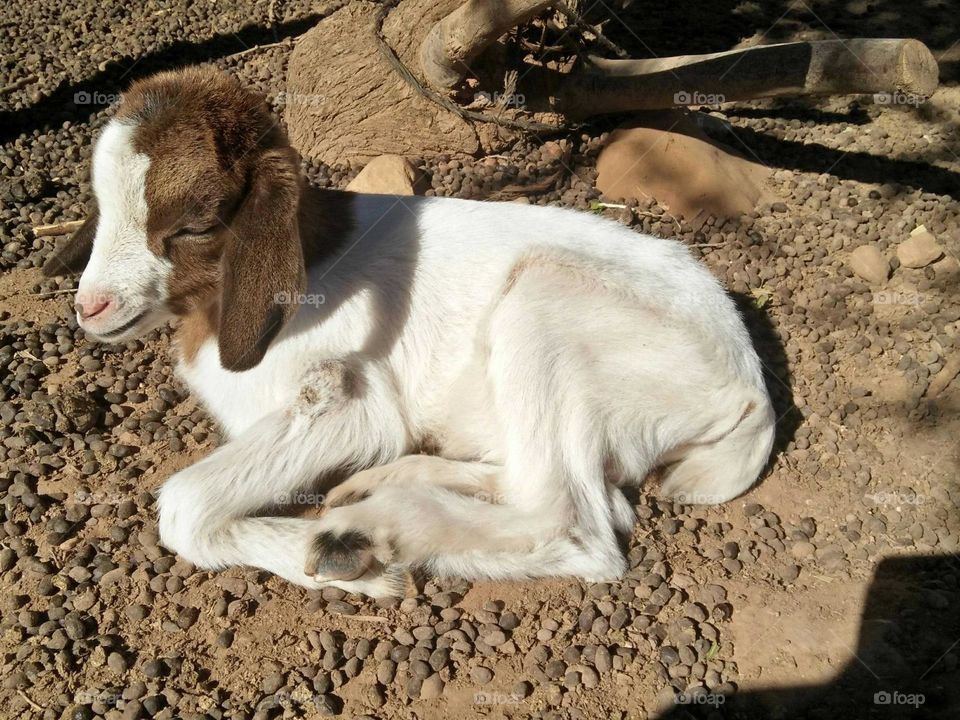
{"points": [[831, 581]]}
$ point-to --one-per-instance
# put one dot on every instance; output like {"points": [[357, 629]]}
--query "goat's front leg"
{"points": [[343, 419]]}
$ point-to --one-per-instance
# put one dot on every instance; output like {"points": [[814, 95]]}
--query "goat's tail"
{"points": [[716, 470]]}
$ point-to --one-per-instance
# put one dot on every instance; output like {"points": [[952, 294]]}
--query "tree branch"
{"points": [[454, 42], [831, 67]]}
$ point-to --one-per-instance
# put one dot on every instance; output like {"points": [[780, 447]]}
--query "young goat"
{"points": [[546, 357]]}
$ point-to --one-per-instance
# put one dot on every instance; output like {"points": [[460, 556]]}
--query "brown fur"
{"points": [[195, 329], [228, 208]]}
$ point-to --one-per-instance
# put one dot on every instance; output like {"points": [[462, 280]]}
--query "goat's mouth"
{"points": [[126, 326], [139, 323]]}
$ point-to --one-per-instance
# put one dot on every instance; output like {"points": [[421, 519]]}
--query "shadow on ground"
{"points": [[62, 104], [904, 665]]}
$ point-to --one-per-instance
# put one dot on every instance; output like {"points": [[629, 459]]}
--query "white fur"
{"points": [[122, 268], [552, 355]]}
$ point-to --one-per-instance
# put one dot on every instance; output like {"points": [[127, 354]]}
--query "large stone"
{"points": [[672, 160], [920, 249], [386, 175], [867, 262], [344, 103]]}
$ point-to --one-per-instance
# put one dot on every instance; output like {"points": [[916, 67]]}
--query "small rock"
{"points": [[867, 262], [669, 656], [802, 549], [225, 638], [387, 175], [481, 675], [495, 638], [789, 572], [271, 683], [328, 705], [154, 669], [432, 687], [116, 662], [340, 607], [919, 250]]}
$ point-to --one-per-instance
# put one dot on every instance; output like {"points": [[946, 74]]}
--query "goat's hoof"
{"points": [[340, 556]]}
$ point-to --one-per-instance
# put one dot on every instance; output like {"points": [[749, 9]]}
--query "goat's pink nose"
{"points": [[91, 307]]}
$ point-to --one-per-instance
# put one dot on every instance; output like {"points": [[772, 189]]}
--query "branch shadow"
{"points": [[78, 101], [797, 109], [847, 164]]}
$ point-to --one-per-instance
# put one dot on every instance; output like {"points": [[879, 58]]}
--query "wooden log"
{"points": [[454, 42], [830, 67]]}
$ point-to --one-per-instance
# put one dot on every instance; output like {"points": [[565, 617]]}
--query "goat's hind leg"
{"points": [[556, 515], [476, 479]]}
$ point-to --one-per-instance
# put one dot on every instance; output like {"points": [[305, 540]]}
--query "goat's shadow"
{"points": [[776, 370]]}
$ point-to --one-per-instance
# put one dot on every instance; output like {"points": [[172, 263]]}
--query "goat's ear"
{"points": [[72, 257], [263, 267]]}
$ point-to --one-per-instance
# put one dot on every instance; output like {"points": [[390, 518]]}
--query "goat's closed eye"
{"points": [[195, 232]]}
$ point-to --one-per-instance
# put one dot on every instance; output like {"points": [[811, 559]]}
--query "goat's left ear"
{"points": [[72, 257], [263, 266]]}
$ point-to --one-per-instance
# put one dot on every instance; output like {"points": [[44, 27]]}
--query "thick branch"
{"points": [[462, 35], [831, 67]]}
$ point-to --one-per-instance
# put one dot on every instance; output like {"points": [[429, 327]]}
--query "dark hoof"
{"points": [[346, 556]]}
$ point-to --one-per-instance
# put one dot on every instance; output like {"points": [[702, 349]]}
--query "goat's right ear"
{"points": [[263, 268], [72, 257]]}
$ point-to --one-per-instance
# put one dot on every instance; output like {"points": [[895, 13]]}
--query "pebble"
{"points": [[481, 675], [432, 687], [867, 262], [919, 250]]}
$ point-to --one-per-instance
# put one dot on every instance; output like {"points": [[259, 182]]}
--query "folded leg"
{"points": [[212, 513], [476, 479]]}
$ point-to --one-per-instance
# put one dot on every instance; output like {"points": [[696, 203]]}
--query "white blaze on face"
{"points": [[122, 270]]}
